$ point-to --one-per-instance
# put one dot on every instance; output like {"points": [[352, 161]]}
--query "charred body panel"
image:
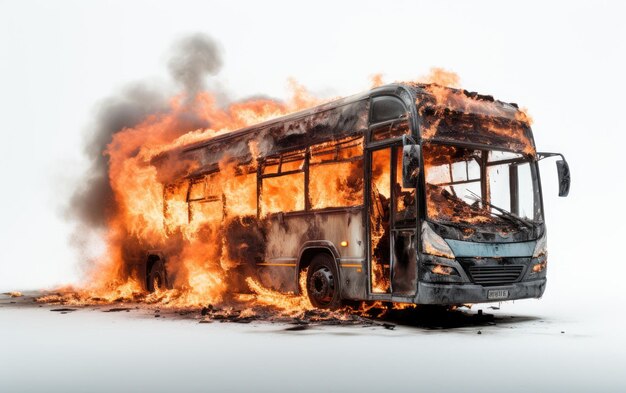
{"points": [[341, 119], [458, 116], [293, 238]]}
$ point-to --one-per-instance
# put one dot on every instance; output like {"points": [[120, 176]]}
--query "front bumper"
{"points": [[450, 294]]}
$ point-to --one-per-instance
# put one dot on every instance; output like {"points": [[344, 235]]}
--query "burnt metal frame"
{"points": [[394, 147], [205, 198], [392, 144], [367, 216]]}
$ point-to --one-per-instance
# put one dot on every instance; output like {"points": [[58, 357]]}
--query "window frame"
{"points": [[337, 146], [299, 154]]}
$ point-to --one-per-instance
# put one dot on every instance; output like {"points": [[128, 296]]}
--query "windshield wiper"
{"points": [[504, 213]]}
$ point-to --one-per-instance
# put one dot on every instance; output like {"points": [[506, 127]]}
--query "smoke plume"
{"points": [[193, 58], [93, 203]]}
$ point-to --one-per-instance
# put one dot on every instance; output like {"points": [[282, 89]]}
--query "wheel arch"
{"points": [[309, 250], [153, 257]]}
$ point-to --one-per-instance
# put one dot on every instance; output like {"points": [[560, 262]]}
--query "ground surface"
{"points": [[125, 347]]}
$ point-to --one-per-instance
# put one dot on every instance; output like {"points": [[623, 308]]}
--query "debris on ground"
{"points": [[14, 294], [362, 314], [118, 309], [64, 310]]}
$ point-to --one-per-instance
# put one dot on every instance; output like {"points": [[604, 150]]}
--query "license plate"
{"points": [[498, 294]]}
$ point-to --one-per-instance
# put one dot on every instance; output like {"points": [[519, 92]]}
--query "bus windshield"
{"points": [[481, 187]]}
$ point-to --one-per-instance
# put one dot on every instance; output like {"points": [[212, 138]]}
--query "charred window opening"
{"points": [[205, 200], [204, 189], [389, 119], [392, 207], [379, 220], [209, 199], [282, 183], [240, 189], [197, 190], [405, 208], [472, 186], [389, 130], [205, 212], [175, 209], [336, 174]]}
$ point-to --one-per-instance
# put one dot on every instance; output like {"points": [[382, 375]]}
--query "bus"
{"points": [[411, 193]]}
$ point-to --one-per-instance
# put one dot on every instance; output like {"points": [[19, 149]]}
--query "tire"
{"points": [[322, 283], [156, 277]]}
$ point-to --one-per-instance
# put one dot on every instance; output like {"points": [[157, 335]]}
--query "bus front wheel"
{"points": [[322, 283]]}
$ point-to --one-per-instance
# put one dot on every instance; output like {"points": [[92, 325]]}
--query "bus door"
{"points": [[392, 226]]}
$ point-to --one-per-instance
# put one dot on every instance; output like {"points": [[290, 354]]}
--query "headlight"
{"points": [[442, 270], [541, 248], [434, 244], [539, 267]]}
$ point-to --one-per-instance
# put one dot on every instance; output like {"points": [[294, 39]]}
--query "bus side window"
{"points": [[282, 184], [336, 174], [175, 210], [205, 201], [240, 191], [405, 206], [197, 189]]}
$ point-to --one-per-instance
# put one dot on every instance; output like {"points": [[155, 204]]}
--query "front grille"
{"points": [[496, 275]]}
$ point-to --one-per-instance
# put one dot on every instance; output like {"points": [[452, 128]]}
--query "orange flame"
{"points": [[199, 258], [376, 80], [441, 77]]}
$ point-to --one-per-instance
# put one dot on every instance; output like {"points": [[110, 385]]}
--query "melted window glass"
{"points": [[480, 186]]}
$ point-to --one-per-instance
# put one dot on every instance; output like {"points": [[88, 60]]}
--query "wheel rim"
{"points": [[322, 286]]}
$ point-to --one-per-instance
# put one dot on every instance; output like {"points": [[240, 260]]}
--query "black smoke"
{"points": [[93, 201], [191, 60]]}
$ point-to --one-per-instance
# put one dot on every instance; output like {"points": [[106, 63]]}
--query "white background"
{"points": [[564, 61]]}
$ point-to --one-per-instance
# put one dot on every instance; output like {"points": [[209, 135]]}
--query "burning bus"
{"points": [[412, 193]]}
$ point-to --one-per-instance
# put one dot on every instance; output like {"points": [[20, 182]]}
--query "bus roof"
{"points": [[338, 119], [414, 89], [290, 117]]}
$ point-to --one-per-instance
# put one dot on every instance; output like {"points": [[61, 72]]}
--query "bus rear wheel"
{"points": [[322, 283], [156, 277]]}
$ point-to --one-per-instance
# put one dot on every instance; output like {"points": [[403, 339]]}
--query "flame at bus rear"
{"points": [[152, 213]]}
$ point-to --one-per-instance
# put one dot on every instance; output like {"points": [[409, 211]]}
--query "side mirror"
{"points": [[410, 165], [564, 179], [562, 169]]}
